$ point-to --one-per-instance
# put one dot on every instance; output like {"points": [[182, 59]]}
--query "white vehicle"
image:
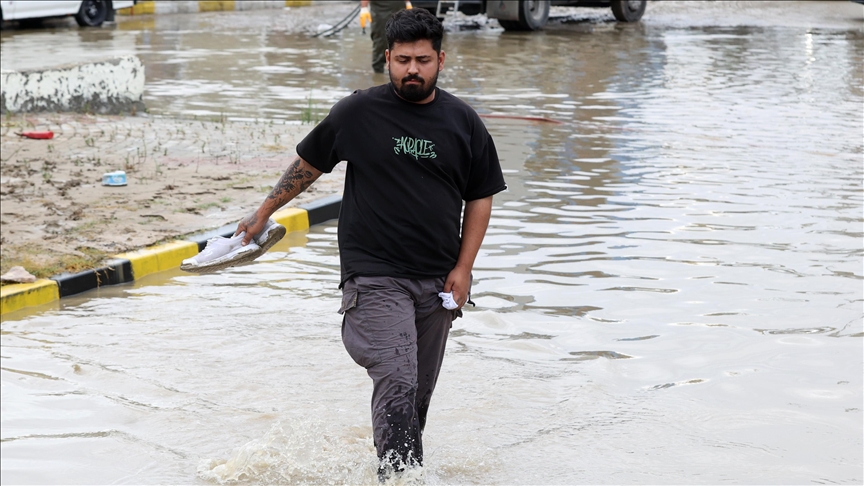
{"points": [[530, 14], [88, 13]]}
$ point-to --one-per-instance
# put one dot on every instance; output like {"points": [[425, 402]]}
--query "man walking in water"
{"points": [[414, 154]]}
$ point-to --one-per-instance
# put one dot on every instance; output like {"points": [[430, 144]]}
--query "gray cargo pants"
{"points": [[397, 329]]}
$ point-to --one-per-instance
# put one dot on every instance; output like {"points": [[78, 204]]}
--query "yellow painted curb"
{"points": [[18, 296], [135, 265], [292, 219], [215, 5], [160, 257], [154, 259], [143, 7], [148, 7]]}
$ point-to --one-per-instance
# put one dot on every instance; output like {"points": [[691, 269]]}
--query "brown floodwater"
{"points": [[670, 291]]}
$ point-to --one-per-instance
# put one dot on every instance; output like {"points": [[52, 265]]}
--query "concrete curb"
{"points": [[135, 265], [148, 7], [113, 86]]}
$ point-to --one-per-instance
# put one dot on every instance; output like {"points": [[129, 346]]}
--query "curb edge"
{"points": [[136, 264], [149, 7]]}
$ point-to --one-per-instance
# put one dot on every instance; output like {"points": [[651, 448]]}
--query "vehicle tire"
{"points": [[628, 10], [533, 15], [92, 13]]}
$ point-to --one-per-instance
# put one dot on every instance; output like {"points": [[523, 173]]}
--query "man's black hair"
{"points": [[413, 25]]}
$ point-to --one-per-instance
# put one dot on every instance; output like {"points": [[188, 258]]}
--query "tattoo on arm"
{"points": [[295, 180]]}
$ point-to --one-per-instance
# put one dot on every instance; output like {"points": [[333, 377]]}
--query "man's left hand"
{"points": [[459, 282]]}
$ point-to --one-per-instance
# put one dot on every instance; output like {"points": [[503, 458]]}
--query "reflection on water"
{"points": [[670, 290]]}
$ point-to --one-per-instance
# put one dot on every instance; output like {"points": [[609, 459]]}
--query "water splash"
{"points": [[298, 453]]}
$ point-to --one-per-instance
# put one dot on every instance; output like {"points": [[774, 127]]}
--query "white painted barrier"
{"points": [[113, 86]]}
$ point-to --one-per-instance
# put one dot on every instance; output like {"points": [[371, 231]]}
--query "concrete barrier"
{"points": [[113, 86]]}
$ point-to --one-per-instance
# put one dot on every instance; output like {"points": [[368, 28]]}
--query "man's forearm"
{"points": [[296, 179], [474, 224]]}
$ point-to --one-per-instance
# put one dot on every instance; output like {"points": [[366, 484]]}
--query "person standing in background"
{"points": [[377, 12]]}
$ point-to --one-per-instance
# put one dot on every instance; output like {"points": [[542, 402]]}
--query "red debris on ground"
{"points": [[37, 135]]}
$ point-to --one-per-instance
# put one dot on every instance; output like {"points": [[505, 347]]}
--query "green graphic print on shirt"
{"points": [[416, 147]]}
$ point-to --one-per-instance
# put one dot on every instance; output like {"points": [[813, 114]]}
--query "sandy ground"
{"points": [[190, 175], [184, 176]]}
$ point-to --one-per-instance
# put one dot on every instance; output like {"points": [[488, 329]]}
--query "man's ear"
{"points": [[441, 61], [387, 58]]}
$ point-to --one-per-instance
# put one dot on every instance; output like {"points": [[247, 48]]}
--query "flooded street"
{"points": [[670, 291]]}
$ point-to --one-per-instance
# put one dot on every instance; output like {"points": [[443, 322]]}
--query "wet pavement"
{"points": [[670, 290]]}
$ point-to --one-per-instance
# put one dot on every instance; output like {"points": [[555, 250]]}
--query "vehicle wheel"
{"points": [[92, 13], [533, 15], [628, 10]]}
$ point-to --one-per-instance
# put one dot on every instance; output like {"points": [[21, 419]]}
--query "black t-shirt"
{"points": [[410, 166]]}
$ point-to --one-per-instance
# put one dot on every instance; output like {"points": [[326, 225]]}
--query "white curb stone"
{"points": [[112, 86]]}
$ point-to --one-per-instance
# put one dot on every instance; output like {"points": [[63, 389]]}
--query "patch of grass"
{"points": [[310, 114], [241, 181], [85, 227], [44, 264]]}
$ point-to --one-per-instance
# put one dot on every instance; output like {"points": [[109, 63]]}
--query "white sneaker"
{"points": [[270, 235], [220, 253]]}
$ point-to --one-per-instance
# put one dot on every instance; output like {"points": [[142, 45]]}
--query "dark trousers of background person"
{"points": [[381, 11]]}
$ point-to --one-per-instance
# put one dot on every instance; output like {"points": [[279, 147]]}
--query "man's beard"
{"points": [[415, 92]]}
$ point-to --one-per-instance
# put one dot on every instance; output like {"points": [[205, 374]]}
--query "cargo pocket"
{"points": [[356, 341], [349, 301]]}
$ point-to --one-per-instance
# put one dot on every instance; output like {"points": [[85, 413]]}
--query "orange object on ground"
{"points": [[37, 135], [365, 18]]}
